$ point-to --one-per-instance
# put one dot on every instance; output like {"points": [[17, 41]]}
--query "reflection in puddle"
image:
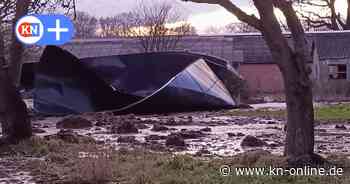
{"points": [[223, 139]]}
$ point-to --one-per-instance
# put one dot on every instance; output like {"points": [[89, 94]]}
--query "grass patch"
{"points": [[328, 113], [65, 164], [263, 113], [340, 112]]}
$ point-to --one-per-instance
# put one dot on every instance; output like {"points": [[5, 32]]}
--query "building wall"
{"points": [[325, 87], [324, 68], [262, 78]]}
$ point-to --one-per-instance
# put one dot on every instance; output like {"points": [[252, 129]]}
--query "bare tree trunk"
{"points": [[300, 117], [292, 61], [17, 48], [2, 46], [299, 145], [2, 66], [16, 124]]}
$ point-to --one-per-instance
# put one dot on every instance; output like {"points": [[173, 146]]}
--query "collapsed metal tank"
{"points": [[133, 83]]}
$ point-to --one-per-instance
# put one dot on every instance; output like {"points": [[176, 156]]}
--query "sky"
{"points": [[202, 16]]}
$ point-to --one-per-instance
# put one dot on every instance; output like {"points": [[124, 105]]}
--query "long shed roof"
{"points": [[236, 48]]}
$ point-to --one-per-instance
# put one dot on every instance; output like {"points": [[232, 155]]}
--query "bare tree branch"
{"points": [[157, 26], [85, 25], [239, 13], [291, 59], [323, 13]]}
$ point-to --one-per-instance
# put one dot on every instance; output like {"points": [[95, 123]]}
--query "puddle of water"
{"points": [[274, 105], [10, 175], [18, 178], [329, 140], [217, 141]]}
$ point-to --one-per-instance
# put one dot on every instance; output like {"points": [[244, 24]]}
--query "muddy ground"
{"points": [[213, 133], [208, 134]]}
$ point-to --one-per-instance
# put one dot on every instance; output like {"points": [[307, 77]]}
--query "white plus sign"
{"points": [[58, 30]]}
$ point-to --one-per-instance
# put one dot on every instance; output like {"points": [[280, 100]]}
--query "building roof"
{"points": [[254, 48], [332, 46], [236, 48]]}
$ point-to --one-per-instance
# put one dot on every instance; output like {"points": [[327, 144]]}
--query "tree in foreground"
{"points": [[292, 62], [14, 118]]}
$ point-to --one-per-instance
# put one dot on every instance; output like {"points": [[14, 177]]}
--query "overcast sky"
{"points": [[112, 7], [201, 16]]}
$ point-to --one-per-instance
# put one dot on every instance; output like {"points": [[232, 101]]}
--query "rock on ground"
{"points": [[70, 136], [340, 127], [239, 134], [159, 128], [38, 131], [155, 137], [125, 128], [206, 129], [251, 141], [74, 122], [127, 139], [189, 134], [175, 140]]}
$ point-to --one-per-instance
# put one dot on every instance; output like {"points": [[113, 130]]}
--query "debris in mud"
{"points": [[155, 137], [125, 127], [207, 129], [340, 127], [275, 144], [141, 126], [251, 141], [270, 122], [175, 140], [74, 122], [12, 171], [174, 121], [159, 128], [239, 134], [189, 134], [244, 106], [275, 127], [127, 139], [100, 123], [38, 131], [70, 136], [202, 152], [224, 139]]}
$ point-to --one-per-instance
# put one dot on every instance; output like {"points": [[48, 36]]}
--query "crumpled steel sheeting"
{"points": [[135, 83]]}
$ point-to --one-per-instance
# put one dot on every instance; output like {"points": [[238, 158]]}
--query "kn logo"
{"points": [[44, 29], [29, 29]]}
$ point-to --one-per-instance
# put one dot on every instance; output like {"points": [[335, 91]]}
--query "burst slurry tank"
{"points": [[134, 83]]}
